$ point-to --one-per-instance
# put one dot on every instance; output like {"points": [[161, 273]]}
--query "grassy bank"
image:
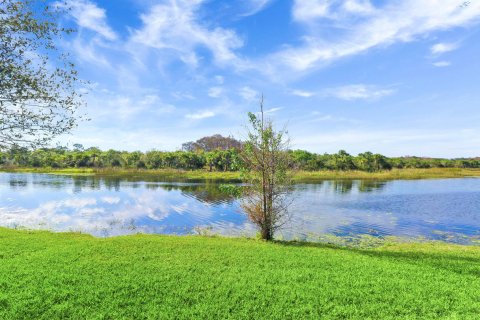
{"points": [[57, 276], [132, 173], [298, 176], [394, 174]]}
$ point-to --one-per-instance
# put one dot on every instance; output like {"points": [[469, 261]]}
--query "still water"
{"points": [[443, 209]]}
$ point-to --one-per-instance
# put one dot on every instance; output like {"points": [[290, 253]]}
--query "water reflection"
{"points": [[209, 188], [104, 206], [348, 186]]}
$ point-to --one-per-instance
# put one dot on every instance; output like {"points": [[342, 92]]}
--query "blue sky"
{"points": [[397, 77]]}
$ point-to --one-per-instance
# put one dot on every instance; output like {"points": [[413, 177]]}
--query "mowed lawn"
{"points": [[47, 275]]}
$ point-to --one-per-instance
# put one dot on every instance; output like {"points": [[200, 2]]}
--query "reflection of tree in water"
{"points": [[85, 182], [112, 183], [342, 186], [371, 185], [18, 183], [346, 186], [96, 183], [49, 181], [207, 192], [203, 190], [211, 195]]}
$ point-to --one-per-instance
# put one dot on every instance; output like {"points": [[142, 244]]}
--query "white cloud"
{"points": [[357, 92], [175, 25], [272, 110], [303, 93], [440, 48], [358, 6], [248, 94], [182, 95], [119, 106], [307, 10], [360, 26], [255, 6], [90, 211], [200, 115], [88, 15], [215, 92], [441, 64], [87, 51]]}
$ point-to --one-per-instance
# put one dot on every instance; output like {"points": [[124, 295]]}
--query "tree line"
{"points": [[220, 158]]}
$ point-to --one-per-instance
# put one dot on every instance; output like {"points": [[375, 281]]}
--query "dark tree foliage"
{"points": [[216, 160], [38, 97], [215, 142]]}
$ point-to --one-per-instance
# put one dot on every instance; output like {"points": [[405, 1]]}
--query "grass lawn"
{"points": [[47, 275], [299, 176]]}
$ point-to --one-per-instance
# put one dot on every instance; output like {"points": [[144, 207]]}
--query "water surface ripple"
{"points": [[440, 209]]}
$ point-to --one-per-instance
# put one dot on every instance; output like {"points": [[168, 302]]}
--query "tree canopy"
{"points": [[39, 95], [210, 143], [216, 160]]}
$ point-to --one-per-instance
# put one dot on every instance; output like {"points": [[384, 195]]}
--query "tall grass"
{"points": [[299, 176]]}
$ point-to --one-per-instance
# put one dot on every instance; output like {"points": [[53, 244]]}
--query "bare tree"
{"points": [[38, 83], [266, 199]]}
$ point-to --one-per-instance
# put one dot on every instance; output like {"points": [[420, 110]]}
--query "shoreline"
{"points": [[298, 176], [359, 241]]}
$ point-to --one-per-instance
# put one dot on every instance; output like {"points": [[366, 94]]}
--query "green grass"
{"points": [[394, 174], [299, 176], [47, 275], [134, 173]]}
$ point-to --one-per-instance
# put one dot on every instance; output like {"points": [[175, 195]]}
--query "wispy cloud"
{"points": [[249, 94], [255, 6], [175, 26], [215, 92], [361, 27], [162, 66], [348, 92], [303, 93], [272, 110], [441, 64], [123, 107], [87, 51], [200, 115], [308, 10], [89, 16], [357, 92], [440, 48]]}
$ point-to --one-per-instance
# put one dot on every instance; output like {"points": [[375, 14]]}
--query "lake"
{"points": [[439, 209]]}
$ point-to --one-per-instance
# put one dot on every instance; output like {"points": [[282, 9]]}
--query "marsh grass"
{"points": [[299, 176], [394, 174], [47, 275]]}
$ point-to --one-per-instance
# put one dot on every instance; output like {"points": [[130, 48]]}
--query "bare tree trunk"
{"points": [[264, 187]]}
